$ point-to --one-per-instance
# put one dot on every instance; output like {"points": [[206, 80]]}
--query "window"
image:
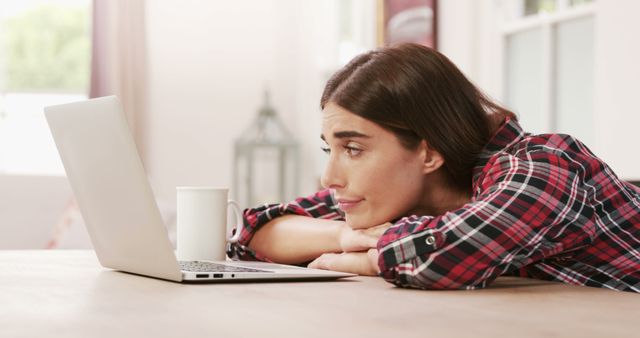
{"points": [[44, 60], [549, 65]]}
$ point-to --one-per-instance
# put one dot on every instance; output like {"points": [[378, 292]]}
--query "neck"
{"points": [[440, 196]]}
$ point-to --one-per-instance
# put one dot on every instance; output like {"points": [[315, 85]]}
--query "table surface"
{"points": [[68, 294]]}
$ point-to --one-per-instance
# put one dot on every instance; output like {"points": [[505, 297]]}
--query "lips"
{"points": [[346, 204]]}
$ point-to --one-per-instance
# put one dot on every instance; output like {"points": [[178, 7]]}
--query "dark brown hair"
{"points": [[418, 93]]}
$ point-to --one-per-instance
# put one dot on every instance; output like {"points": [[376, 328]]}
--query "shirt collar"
{"points": [[509, 133]]}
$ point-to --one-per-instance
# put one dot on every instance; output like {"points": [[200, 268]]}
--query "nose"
{"points": [[333, 176]]}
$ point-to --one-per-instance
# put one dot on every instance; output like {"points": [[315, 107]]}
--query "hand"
{"points": [[361, 239], [361, 263]]}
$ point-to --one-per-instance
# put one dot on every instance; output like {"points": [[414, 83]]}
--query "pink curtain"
{"points": [[118, 67], [119, 60]]}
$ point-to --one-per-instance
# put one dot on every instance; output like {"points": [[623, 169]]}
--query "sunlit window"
{"points": [[44, 60], [536, 7]]}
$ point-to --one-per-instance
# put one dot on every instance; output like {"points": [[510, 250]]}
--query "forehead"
{"points": [[336, 119]]}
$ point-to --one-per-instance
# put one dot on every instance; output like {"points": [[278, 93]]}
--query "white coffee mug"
{"points": [[202, 231]]}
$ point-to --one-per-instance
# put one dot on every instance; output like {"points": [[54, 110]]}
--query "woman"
{"points": [[432, 185]]}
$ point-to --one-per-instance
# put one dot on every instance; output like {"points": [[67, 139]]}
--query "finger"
{"points": [[314, 264], [373, 255], [321, 262]]}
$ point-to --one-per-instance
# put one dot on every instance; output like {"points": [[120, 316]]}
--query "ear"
{"points": [[431, 158]]}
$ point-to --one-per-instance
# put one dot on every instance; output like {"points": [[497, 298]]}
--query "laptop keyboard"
{"points": [[196, 266]]}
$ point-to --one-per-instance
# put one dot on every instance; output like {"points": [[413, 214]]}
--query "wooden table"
{"points": [[68, 294]]}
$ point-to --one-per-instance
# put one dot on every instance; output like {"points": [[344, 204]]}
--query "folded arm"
{"points": [[300, 231], [526, 212], [294, 239]]}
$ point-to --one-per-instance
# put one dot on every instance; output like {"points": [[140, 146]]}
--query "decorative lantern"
{"points": [[266, 161]]}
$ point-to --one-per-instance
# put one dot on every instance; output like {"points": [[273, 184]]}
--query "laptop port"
{"points": [[202, 275], [217, 275]]}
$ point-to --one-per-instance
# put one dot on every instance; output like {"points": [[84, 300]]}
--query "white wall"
{"points": [[209, 63], [617, 86], [30, 206], [467, 35], [457, 30]]}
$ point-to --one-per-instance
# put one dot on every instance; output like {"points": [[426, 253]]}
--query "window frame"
{"points": [[546, 23]]}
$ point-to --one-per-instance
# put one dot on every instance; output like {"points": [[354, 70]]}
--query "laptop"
{"points": [[114, 196]]}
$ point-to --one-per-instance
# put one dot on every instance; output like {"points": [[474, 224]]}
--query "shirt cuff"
{"points": [[239, 252], [397, 246]]}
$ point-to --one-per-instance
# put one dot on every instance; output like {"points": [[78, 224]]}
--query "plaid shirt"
{"points": [[543, 206]]}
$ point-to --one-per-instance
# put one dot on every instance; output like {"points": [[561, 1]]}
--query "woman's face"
{"points": [[374, 178]]}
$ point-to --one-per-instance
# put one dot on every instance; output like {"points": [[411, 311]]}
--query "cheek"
{"points": [[398, 175], [392, 191], [400, 192]]}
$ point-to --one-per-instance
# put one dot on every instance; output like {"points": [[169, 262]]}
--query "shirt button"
{"points": [[430, 240]]}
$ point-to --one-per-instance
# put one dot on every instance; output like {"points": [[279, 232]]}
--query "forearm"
{"points": [[294, 239]]}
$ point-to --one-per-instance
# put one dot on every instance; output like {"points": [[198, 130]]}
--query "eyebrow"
{"points": [[346, 134]]}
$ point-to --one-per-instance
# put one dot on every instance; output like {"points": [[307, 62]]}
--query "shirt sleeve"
{"points": [[319, 205], [526, 209]]}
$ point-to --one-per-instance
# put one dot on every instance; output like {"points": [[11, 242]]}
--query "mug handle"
{"points": [[239, 221]]}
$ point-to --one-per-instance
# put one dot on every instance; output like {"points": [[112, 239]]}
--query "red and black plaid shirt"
{"points": [[543, 206]]}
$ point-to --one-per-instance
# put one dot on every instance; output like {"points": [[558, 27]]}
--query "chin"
{"points": [[359, 222]]}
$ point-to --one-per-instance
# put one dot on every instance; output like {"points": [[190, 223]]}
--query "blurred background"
{"points": [[226, 93]]}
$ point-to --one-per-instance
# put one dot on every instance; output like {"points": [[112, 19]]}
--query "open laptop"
{"points": [[118, 206]]}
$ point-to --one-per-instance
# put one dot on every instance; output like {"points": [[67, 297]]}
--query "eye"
{"points": [[351, 150]]}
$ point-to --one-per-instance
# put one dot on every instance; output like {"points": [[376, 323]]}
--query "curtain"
{"points": [[118, 67], [119, 60]]}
